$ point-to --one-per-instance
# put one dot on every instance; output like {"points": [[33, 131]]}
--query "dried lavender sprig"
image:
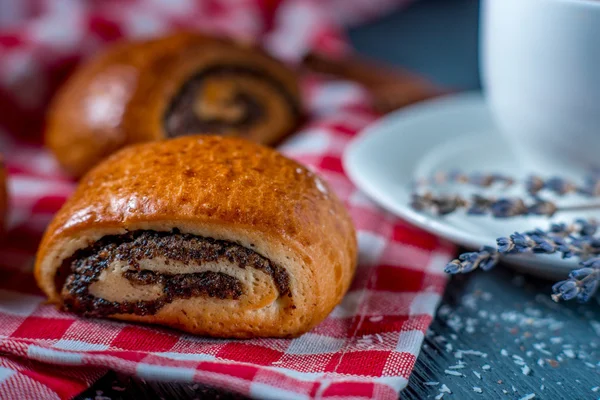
{"points": [[443, 204], [582, 283], [476, 179], [478, 205], [540, 242], [485, 259], [502, 207], [534, 184], [584, 227], [557, 185]]}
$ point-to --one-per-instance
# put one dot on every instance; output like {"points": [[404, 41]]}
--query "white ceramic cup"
{"points": [[540, 67]]}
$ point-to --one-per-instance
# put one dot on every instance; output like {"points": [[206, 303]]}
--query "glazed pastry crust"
{"points": [[120, 97], [226, 189]]}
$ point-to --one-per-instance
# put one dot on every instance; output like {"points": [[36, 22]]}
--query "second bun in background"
{"points": [[173, 86]]}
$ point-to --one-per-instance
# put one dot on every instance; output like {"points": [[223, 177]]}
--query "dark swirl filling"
{"points": [[86, 265], [217, 101]]}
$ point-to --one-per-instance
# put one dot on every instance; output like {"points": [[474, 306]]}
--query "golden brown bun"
{"points": [[226, 189], [128, 94]]}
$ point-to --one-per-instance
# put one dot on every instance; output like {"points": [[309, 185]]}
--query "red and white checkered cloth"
{"points": [[365, 349]]}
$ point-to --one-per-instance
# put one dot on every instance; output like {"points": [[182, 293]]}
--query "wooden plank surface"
{"points": [[509, 323]]}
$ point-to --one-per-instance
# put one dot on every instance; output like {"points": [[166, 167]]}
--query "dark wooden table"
{"points": [[531, 345]]}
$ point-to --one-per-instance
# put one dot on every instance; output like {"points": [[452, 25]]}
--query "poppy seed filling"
{"points": [[85, 268], [227, 105]]}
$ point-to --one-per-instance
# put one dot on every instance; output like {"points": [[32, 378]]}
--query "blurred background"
{"points": [[434, 38], [437, 38]]}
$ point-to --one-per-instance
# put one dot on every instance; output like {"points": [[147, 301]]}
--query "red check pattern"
{"points": [[365, 349]]}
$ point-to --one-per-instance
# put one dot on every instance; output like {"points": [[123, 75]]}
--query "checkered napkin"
{"points": [[365, 349]]}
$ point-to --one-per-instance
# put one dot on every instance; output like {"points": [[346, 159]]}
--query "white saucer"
{"points": [[454, 132]]}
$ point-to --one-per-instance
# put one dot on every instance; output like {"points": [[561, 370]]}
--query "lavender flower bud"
{"points": [[593, 263], [521, 242], [581, 273], [588, 290], [582, 283], [505, 245], [489, 260], [560, 186], [585, 246], [479, 205], [504, 208], [534, 184], [542, 207], [593, 242], [469, 261], [565, 290], [420, 202], [587, 227], [453, 267], [566, 249], [476, 210], [485, 259], [538, 232], [543, 244], [449, 204], [560, 229]]}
